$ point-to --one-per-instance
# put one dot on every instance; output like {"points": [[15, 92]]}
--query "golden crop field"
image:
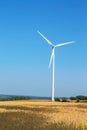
{"points": [[42, 115]]}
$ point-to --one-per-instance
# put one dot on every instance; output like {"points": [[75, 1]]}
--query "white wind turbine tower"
{"points": [[52, 58]]}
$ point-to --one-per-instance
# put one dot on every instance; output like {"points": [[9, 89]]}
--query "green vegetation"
{"points": [[57, 99], [64, 99], [73, 98], [77, 100], [80, 97], [15, 98]]}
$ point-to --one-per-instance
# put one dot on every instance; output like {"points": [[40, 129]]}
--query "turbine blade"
{"points": [[46, 39], [62, 44], [51, 58]]}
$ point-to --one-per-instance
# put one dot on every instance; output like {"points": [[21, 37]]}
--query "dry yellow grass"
{"points": [[42, 115]]}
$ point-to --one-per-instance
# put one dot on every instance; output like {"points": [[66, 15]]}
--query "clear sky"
{"points": [[24, 55]]}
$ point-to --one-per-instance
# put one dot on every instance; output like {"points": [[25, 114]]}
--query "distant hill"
{"points": [[5, 96]]}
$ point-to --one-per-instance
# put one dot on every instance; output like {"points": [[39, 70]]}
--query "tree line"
{"points": [[15, 98], [80, 97], [77, 98]]}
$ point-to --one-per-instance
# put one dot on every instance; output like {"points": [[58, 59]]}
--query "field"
{"points": [[42, 115]]}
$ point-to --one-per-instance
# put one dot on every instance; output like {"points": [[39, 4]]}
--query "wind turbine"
{"points": [[52, 58]]}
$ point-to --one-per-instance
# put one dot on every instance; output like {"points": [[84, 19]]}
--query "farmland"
{"points": [[42, 115]]}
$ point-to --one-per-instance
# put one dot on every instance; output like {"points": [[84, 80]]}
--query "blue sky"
{"points": [[24, 55]]}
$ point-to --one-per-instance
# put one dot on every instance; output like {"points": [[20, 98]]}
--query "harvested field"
{"points": [[42, 115]]}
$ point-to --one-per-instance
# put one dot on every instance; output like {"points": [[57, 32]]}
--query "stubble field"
{"points": [[42, 115]]}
